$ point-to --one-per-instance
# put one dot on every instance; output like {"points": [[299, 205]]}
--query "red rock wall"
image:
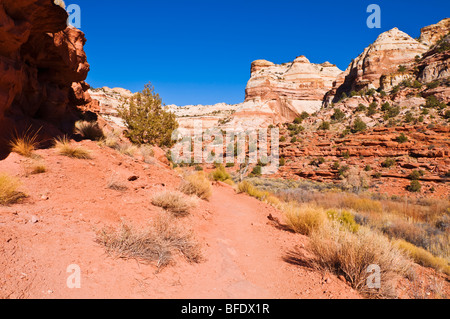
{"points": [[42, 70]]}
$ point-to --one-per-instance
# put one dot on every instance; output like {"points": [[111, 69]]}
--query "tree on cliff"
{"points": [[146, 120]]}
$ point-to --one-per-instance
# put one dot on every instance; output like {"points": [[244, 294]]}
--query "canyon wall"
{"points": [[42, 70]]}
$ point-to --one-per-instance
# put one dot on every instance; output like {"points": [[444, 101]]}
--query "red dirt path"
{"points": [[243, 252]]}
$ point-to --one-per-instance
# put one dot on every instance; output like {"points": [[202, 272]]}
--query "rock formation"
{"points": [[292, 88], [385, 56], [432, 34], [42, 70]]}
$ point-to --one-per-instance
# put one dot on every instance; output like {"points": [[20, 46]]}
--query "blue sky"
{"points": [[199, 52]]}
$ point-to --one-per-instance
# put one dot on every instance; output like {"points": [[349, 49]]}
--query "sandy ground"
{"points": [[56, 227]]}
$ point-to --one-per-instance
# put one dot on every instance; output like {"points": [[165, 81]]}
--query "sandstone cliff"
{"points": [[42, 67]]}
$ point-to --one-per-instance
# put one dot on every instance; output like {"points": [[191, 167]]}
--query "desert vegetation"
{"points": [[64, 147], [197, 184], [155, 244], [9, 190], [25, 144], [350, 231], [174, 202], [146, 120]]}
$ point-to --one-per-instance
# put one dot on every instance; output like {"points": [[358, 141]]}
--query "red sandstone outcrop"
{"points": [[42, 69], [433, 33]]}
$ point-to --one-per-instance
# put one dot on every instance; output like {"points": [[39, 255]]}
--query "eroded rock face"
{"points": [[291, 88], [392, 49], [42, 69], [433, 33]]}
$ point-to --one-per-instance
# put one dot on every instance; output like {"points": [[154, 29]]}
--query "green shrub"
{"points": [[325, 126], [338, 115], [361, 108], [414, 187], [416, 175], [146, 120], [257, 170], [402, 138], [434, 103], [372, 110], [389, 162], [358, 125], [401, 68]]}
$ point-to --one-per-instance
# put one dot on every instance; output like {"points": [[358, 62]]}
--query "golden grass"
{"points": [[220, 174], [9, 193], [89, 130], [157, 243], [24, 145], [65, 148], [248, 188], [303, 219], [35, 167], [423, 257], [197, 184], [173, 201]]}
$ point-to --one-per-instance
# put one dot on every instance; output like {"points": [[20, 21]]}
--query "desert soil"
{"points": [[56, 226]]}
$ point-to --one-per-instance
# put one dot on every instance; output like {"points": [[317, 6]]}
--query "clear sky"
{"points": [[200, 51]]}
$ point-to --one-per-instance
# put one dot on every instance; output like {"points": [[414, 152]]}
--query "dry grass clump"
{"points": [[348, 254], [148, 154], [220, 174], [89, 130], [197, 184], [248, 188], [24, 145], [175, 202], [9, 193], [423, 257], [127, 149], [65, 148], [303, 219], [157, 243], [116, 183], [111, 140], [35, 167]]}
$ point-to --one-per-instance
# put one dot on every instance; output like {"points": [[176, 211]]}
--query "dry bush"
{"points": [[197, 184], [348, 254], [115, 182], [303, 219], [111, 140], [25, 144], [127, 149], [148, 154], [89, 130], [175, 202], [356, 180], [65, 148], [9, 193], [157, 243], [35, 167]]}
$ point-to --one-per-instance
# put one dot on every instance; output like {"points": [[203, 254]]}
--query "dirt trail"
{"points": [[243, 252]]}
